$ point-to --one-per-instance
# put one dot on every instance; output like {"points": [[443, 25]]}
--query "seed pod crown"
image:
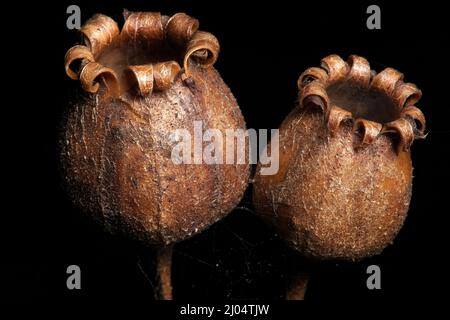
{"points": [[339, 88], [127, 58]]}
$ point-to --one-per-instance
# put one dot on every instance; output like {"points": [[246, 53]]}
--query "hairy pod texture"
{"points": [[345, 178], [142, 83]]}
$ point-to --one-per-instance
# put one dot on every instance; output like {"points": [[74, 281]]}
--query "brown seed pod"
{"points": [[144, 82], [345, 178]]}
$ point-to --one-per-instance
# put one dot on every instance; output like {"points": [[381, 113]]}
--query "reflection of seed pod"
{"points": [[344, 184], [143, 83]]}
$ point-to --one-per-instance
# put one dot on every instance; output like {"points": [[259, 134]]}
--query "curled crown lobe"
{"points": [[141, 30], [314, 82]]}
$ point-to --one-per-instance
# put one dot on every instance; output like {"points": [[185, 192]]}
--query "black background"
{"points": [[264, 48]]}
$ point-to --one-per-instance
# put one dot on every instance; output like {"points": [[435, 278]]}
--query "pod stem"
{"points": [[164, 271], [298, 286], [300, 271]]}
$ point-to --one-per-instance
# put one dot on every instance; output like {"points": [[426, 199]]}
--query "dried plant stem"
{"points": [[164, 271], [298, 286]]}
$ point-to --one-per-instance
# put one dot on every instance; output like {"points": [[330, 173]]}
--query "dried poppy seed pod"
{"points": [[345, 178], [144, 82]]}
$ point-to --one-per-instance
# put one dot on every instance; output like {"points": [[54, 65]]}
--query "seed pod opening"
{"points": [[345, 178], [141, 84]]}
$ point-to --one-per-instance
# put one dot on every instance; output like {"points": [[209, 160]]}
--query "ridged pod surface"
{"points": [[142, 83], [345, 178]]}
